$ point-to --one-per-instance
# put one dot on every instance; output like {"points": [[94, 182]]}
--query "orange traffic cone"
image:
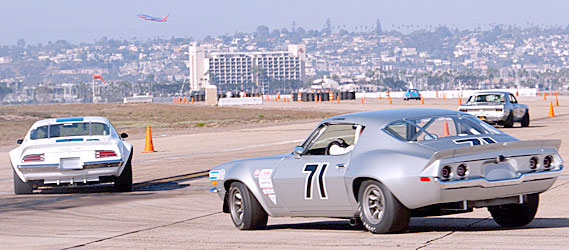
{"points": [[517, 94], [148, 146], [362, 100], [422, 101], [551, 113], [556, 102], [544, 96], [444, 97], [193, 100], [459, 101], [445, 129], [537, 93], [338, 100], [379, 96], [390, 102]]}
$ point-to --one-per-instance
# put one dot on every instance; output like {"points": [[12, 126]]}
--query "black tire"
{"points": [[509, 122], [21, 187], [516, 215], [246, 212], [393, 218], [124, 181], [525, 119]]}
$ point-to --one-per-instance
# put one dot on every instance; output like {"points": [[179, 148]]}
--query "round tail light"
{"points": [[461, 170], [445, 172], [547, 161], [533, 162]]}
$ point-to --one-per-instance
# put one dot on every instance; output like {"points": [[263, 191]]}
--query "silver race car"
{"points": [[497, 107], [71, 151], [379, 168]]}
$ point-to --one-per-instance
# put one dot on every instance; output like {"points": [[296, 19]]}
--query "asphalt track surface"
{"points": [[172, 208]]}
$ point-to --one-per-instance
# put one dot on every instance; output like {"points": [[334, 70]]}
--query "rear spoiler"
{"points": [[450, 153]]}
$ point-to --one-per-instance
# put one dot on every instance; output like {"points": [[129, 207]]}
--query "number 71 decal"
{"points": [[318, 169]]}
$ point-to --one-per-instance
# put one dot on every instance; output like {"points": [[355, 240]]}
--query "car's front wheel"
{"points": [[516, 215], [379, 210], [124, 181], [246, 212], [21, 187]]}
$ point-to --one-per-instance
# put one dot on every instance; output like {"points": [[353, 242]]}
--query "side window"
{"points": [[513, 99], [39, 133], [398, 130], [99, 129], [334, 139]]}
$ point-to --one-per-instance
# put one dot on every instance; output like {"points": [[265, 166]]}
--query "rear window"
{"points": [[69, 129], [433, 128], [484, 98]]}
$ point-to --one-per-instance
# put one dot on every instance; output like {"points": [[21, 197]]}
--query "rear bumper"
{"points": [[489, 116], [53, 174], [482, 182], [478, 189], [482, 189]]}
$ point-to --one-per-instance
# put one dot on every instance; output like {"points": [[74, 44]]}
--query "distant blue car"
{"points": [[412, 94]]}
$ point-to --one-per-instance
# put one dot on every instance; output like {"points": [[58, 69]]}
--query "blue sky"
{"points": [[83, 21]]}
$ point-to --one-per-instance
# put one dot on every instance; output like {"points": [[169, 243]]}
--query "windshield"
{"points": [[69, 129], [433, 128], [493, 98]]}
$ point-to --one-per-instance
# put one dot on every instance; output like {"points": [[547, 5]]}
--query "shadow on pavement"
{"points": [[419, 225], [63, 197]]}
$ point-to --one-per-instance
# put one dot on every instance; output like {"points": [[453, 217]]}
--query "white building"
{"points": [[245, 70]]}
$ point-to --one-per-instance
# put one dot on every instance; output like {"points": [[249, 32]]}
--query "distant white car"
{"points": [[497, 107], [72, 151]]}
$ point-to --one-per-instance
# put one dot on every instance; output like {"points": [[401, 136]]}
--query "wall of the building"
{"points": [[246, 70]]}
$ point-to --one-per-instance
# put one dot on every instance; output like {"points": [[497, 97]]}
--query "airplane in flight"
{"points": [[151, 18]]}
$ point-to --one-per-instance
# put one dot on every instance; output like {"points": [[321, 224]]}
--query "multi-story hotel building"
{"points": [[245, 70]]}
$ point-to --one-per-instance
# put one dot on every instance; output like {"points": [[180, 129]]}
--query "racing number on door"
{"points": [[318, 169]]}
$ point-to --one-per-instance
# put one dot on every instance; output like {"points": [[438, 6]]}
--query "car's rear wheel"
{"points": [[124, 181], [379, 210], [525, 119], [509, 122], [21, 187], [246, 212], [516, 215]]}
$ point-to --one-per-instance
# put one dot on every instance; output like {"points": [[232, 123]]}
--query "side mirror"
{"points": [[124, 135], [298, 150], [19, 141]]}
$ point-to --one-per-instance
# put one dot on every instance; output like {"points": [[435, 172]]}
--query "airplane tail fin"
{"points": [[165, 17]]}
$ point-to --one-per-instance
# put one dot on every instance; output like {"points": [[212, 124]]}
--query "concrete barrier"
{"points": [[449, 93], [138, 99], [240, 101]]}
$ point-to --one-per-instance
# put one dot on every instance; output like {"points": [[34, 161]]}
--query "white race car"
{"points": [[72, 151]]}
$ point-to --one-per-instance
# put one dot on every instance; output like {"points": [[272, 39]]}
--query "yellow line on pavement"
{"points": [[181, 177]]}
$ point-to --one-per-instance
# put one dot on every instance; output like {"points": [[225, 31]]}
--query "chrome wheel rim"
{"points": [[373, 204], [236, 206]]}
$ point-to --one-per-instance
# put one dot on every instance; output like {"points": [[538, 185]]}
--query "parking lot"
{"points": [[171, 206]]}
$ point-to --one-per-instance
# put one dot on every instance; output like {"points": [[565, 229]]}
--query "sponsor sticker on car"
{"points": [[217, 174]]}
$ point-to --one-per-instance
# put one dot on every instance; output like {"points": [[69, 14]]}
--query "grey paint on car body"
{"points": [[399, 165]]}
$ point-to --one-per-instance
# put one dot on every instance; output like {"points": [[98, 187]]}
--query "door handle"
{"points": [[340, 165]]}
